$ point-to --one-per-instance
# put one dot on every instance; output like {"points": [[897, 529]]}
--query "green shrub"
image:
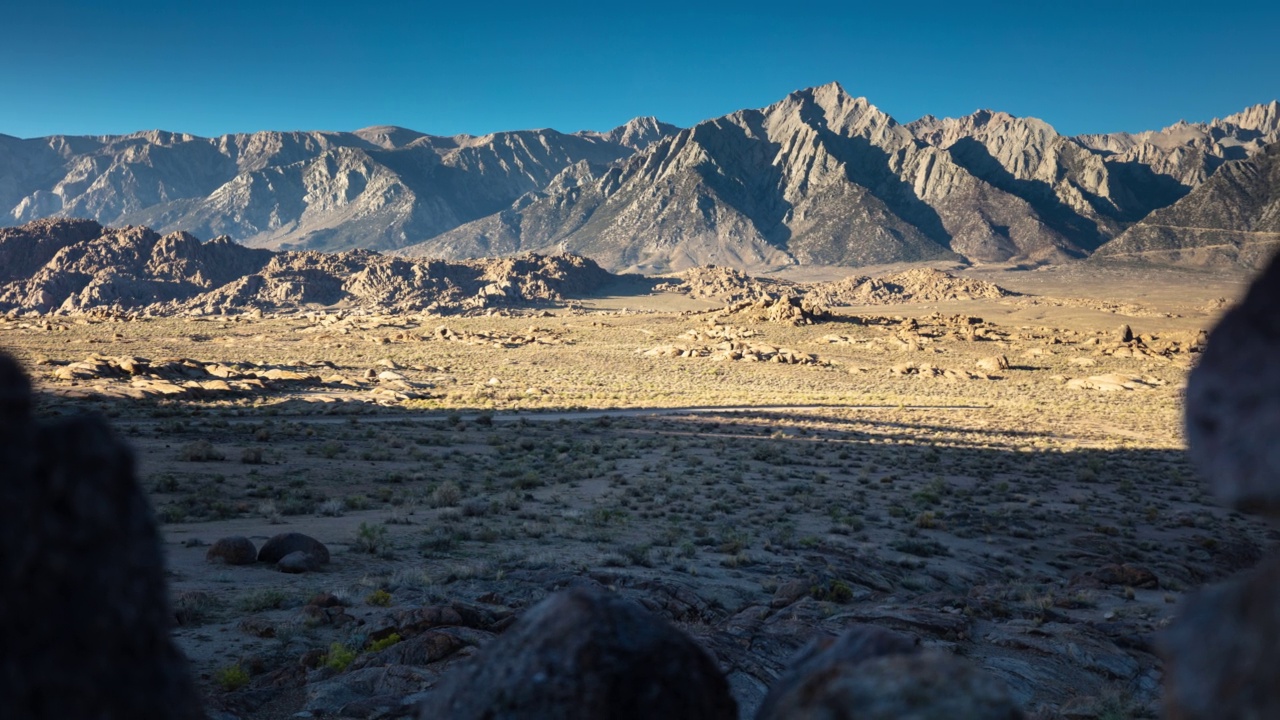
{"points": [[371, 538], [379, 597], [231, 677], [384, 643], [339, 657]]}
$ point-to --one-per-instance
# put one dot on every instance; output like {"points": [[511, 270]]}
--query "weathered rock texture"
{"points": [[1233, 401], [1221, 655], [586, 653], [1223, 651], [84, 614]]}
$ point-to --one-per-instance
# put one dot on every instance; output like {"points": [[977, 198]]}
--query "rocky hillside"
{"points": [[1232, 219], [376, 188], [823, 177], [71, 266]]}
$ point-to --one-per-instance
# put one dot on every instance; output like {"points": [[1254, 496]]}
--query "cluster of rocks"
{"points": [[728, 343], [735, 350], [929, 370], [915, 285], [785, 310], [1222, 652], [1127, 344], [723, 284], [138, 378], [289, 552], [533, 336], [78, 266], [716, 332], [743, 292]]}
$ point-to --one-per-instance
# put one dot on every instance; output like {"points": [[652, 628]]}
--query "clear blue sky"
{"points": [[94, 67]]}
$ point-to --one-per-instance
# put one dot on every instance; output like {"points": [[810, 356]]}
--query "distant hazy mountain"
{"points": [[822, 177], [380, 187], [1232, 219], [818, 177]]}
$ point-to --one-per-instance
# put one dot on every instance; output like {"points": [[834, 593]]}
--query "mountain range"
{"points": [[819, 177]]}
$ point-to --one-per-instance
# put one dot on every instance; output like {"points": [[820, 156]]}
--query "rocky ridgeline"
{"points": [[78, 266]]}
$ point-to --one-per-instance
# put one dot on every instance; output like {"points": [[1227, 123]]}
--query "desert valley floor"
{"points": [[1004, 477]]}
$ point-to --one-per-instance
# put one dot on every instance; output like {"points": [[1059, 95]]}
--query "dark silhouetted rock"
{"points": [[84, 611], [873, 674], [234, 550], [586, 653], [829, 654], [298, 562], [275, 549], [1222, 653], [1233, 401]]}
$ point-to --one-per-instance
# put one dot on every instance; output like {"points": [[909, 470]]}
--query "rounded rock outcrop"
{"points": [[234, 550], [586, 652], [275, 549], [298, 562]]}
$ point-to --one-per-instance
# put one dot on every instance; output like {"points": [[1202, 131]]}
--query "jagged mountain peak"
{"points": [[1264, 117], [837, 105], [640, 132]]}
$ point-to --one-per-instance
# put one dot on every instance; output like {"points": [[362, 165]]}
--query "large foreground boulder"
{"points": [[586, 653], [1233, 401], [1223, 654], [1223, 651], [870, 673], [84, 611]]}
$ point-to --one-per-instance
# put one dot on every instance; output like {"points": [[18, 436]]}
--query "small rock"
{"points": [[993, 364], [790, 592], [234, 550]]}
